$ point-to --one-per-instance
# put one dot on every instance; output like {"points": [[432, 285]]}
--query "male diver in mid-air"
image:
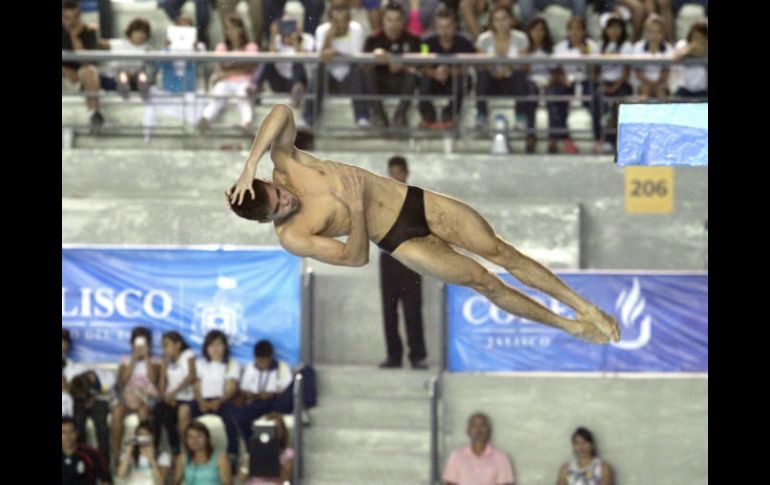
{"points": [[312, 201]]}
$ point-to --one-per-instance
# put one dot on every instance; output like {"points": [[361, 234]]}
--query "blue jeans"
{"points": [[430, 86], [515, 85]]}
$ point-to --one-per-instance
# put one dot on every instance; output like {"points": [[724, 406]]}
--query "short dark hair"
{"points": [[177, 338], [586, 435], [142, 332], [210, 337], [263, 348], [393, 7], [701, 27], [65, 335], [140, 24], [398, 161], [253, 208], [443, 12], [70, 5]]}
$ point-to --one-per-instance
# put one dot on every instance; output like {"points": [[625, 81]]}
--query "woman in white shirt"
{"points": [[500, 79], [141, 464], [540, 46], [216, 383], [177, 375], [696, 78], [613, 84], [653, 78], [131, 75]]}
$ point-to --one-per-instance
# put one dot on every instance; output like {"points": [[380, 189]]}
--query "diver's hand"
{"points": [[242, 186], [352, 193]]}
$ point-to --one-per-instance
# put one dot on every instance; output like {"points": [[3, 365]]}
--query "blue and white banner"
{"points": [[663, 319], [248, 294], [663, 134]]}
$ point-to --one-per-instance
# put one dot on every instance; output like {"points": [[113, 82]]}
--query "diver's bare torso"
{"points": [[310, 179]]}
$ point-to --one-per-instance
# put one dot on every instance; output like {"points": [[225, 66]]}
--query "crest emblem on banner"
{"points": [[629, 309], [224, 312]]}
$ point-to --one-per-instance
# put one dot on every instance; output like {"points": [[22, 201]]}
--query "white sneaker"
{"points": [[363, 123], [608, 147]]}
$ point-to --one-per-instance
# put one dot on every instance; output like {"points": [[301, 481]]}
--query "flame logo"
{"points": [[629, 306]]}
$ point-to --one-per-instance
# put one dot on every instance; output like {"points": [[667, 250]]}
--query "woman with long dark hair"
{"points": [[199, 465], [585, 467]]}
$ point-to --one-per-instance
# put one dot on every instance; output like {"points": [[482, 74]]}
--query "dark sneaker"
{"points": [[97, 121], [390, 364], [420, 364]]}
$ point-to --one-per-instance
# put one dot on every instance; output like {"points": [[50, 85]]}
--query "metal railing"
{"points": [[464, 61]]}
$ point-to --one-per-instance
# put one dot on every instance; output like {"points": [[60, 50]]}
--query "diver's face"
{"points": [[282, 203]]}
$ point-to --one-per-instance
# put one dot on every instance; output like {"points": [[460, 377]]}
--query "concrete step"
{"points": [[376, 413], [394, 468], [371, 382], [346, 440]]}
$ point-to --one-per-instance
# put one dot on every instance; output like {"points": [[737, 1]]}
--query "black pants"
{"points": [[98, 413], [389, 83], [398, 282], [559, 110], [454, 89], [515, 85], [278, 83], [352, 84], [601, 106], [165, 416]]}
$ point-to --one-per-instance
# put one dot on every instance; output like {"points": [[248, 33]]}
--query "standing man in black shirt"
{"points": [[389, 77], [397, 282], [80, 464], [443, 78], [77, 36]]}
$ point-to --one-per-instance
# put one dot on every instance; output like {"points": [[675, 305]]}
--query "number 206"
{"points": [[649, 188]]}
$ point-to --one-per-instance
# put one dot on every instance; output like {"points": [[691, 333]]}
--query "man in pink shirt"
{"points": [[479, 463]]}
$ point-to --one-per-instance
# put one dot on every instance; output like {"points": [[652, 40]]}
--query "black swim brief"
{"points": [[410, 223]]}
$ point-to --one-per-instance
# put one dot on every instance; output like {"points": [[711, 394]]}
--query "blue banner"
{"points": [[663, 134], [663, 320], [247, 294]]}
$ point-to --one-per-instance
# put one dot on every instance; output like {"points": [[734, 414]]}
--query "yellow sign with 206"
{"points": [[649, 190]]}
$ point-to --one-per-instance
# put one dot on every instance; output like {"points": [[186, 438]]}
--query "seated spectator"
{"points": [[565, 80], [233, 78], [339, 36], [265, 387], [138, 377], [199, 465], [502, 79], [216, 383], [226, 8], [474, 14], [531, 8], [585, 468], [91, 395], [179, 76], [286, 457], [443, 78], [141, 463], [76, 36], [419, 16], [633, 10], [131, 75], [173, 9], [540, 47], [613, 83], [285, 77], [314, 10], [177, 375], [389, 77], [80, 464], [654, 78], [479, 463], [696, 79]]}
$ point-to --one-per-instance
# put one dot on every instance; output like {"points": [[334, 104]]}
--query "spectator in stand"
{"points": [[286, 457], [443, 78], [339, 36], [216, 383], [173, 9], [653, 78], [314, 10], [76, 76], [226, 8], [696, 78], [177, 374], [91, 393], [199, 465], [540, 47], [138, 377], [284, 77], [613, 82], [531, 8], [585, 468], [132, 75], [565, 81], [502, 79], [479, 463], [233, 78], [388, 76], [474, 14], [179, 76], [80, 464], [142, 463]]}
